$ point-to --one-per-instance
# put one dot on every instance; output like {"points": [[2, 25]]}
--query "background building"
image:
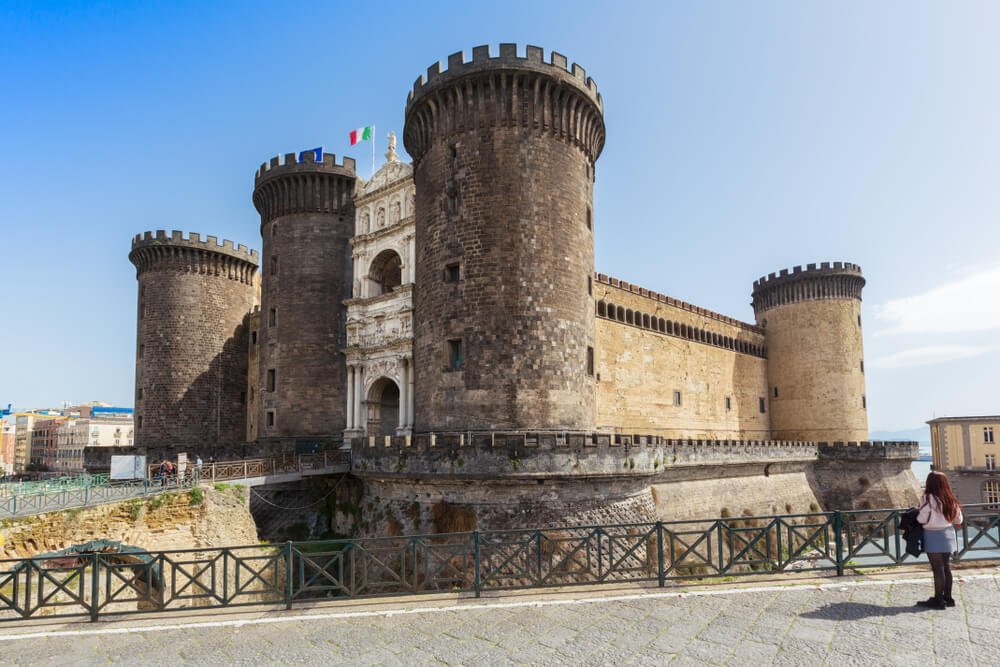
{"points": [[965, 448]]}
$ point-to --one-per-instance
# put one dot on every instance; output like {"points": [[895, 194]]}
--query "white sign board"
{"points": [[128, 467]]}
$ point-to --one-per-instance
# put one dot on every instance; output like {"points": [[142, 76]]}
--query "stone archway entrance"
{"points": [[383, 407]]}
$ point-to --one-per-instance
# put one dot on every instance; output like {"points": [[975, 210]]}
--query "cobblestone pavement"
{"points": [[827, 622]]}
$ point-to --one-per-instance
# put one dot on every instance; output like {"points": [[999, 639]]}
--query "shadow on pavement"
{"points": [[846, 611]]}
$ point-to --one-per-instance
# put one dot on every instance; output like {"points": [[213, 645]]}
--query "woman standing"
{"points": [[939, 513]]}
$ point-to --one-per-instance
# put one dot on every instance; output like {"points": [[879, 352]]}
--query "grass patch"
{"points": [[196, 496]]}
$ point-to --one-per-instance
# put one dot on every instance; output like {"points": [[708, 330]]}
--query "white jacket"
{"points": [[931, 517]]}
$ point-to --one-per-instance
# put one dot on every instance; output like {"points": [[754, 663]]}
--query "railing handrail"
{"points": [[470, 561]]}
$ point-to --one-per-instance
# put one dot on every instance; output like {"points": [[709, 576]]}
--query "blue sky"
{"points": [[742, 138]]}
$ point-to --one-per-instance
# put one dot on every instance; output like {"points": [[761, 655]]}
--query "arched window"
{"points": [[620, 314], [645, 320], [662, 325], [602, 309], [385, 272], [629, 316], [670, 327]]}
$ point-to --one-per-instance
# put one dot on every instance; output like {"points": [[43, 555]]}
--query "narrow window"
{"points": [[590, 361], [253, 337], [729, 403], [590, 285], [451, 202], [270, 379], [864, 401], [776, 392], [763, 405], [140, 393], [243, 398], [274, 229], [862, 365], [991, 461], [677, 398], [270, 417], [590, 219], [988, 434], [142, 350], [453, 272], [138, 422], [274, 265], [859, 320], [272, 317], [455, 354]]}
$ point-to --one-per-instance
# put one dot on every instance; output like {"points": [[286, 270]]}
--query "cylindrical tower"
{"points": [[191, 364], [504, 151], [306, 221], [815, 361]]}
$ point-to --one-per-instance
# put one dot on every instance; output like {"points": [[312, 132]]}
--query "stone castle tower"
{"points": [[306, 223], [815, 368], [191, 363], [504, 151]]}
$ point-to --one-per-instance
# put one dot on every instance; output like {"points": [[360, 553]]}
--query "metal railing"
{"points": [[107, 582], [74, 496], [55, 484]]}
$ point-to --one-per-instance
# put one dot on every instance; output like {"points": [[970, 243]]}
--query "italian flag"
{"points": [[362, 134]]}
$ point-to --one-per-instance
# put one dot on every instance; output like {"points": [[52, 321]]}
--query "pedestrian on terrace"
{"points": [[939, 513]]}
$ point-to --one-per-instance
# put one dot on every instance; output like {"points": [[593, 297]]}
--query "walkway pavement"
{"points": [[840, 622]]}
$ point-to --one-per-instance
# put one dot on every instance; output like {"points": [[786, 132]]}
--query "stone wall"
{"points": [[194, 299], [307, 221], [504, 151], [812, 324], [715, 363]]}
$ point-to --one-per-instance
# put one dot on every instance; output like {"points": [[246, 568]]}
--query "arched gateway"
{"points": [[383, 407]]}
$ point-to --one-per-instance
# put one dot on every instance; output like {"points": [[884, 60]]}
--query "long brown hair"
{"points": [[937, 485]]}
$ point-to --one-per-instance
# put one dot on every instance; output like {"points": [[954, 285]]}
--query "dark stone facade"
{"points": [[191, 362], [504, 151], [307, 221]]}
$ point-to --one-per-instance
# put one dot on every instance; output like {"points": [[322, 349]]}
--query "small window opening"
{"points": [[243, 398], [590, 361], [762, 405], [590, 219], [590, 285], [142, 351], [140, 393], [270, 379], [138, 422], [274, 265], [253, 337], [455, 354], [453, 272], [272, 317], [729, 403], [677, 398], [776, 392], [864, 401], [270, 417], [862, 365], [988, 435]]}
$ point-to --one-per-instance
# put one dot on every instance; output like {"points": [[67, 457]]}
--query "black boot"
{"points": [[932, 603]]}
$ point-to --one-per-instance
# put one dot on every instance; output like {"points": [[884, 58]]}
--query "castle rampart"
{"points": [[836, 280], [194, 299], [504, 152], [307, 220]]}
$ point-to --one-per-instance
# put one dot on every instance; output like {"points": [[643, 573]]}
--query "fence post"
{"points": [[288, 574], [660, 569], [838, 541], [95, 584], [245, 475], [475, 560]]}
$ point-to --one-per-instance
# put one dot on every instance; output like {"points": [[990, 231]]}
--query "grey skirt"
{"points": [[940, 541]]}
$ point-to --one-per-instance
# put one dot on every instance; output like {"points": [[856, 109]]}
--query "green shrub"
{"points": [[196, 496]]}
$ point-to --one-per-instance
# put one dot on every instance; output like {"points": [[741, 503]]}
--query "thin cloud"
{"points": [[931, 354], [965, 305]]}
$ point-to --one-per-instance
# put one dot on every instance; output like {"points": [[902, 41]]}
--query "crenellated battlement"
{"points": [[194, 240], [549, 97], [827, 280], [296, 183], [869, 449], [676, 303], [533, 59], [305, 162], [191, 253]]}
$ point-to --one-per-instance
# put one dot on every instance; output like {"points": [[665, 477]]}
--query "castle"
{"points": [[444, 321]]}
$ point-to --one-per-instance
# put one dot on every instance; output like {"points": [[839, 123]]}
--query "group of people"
{"points": [[168, 471]]}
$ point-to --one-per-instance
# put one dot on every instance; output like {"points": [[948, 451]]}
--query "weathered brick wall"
{"points": [[504, 187], [307, 220], [660, 347], [194, 298], [812, 324]]}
